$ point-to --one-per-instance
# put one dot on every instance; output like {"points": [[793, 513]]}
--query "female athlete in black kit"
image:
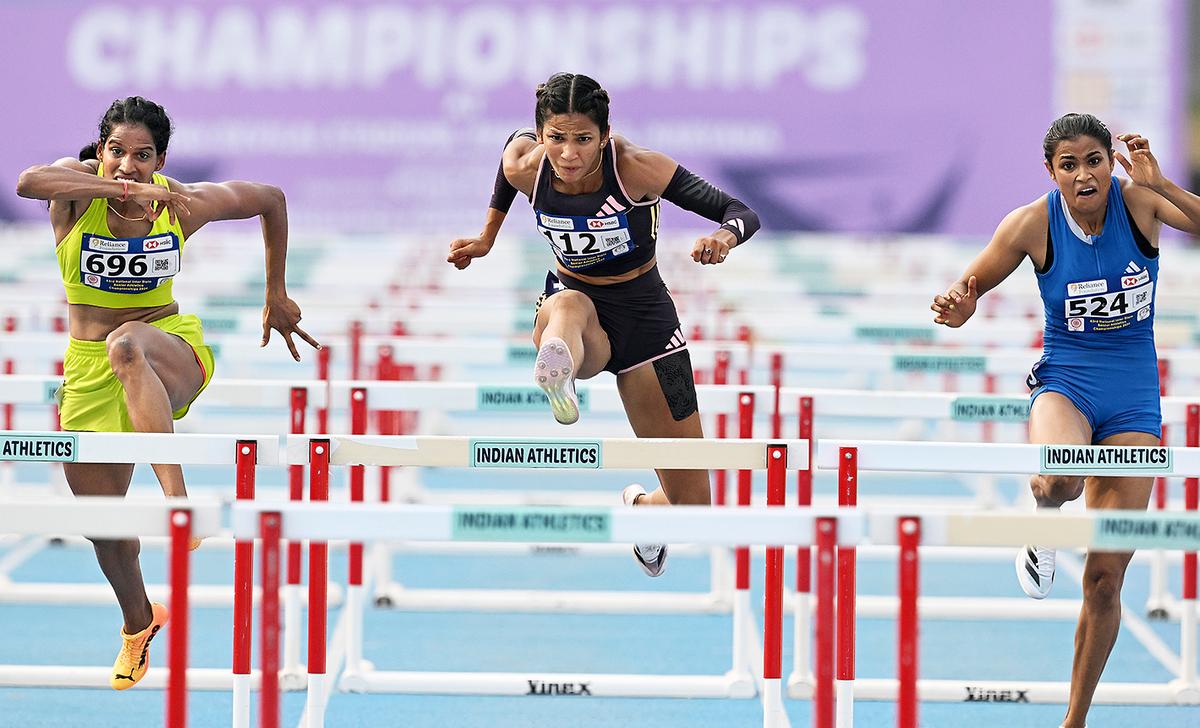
{"points": [[596, 201]]}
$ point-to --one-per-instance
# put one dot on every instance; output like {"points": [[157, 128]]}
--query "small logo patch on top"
{"points": [[1135, 280], [604, 223]]}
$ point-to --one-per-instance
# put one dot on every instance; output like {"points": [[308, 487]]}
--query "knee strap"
{"points": [[674, 373]]}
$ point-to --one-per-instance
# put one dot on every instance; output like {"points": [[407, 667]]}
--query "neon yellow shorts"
{"points": [[93, 399]]}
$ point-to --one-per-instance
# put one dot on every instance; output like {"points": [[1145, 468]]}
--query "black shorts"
{"points": [[638, 316]]}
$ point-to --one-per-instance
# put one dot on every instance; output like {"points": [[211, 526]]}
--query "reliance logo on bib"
{"points": [[557, 223], [1083, 288], [108, 246]]}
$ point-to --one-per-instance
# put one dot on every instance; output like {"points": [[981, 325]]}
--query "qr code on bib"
{"points": [[162, 264]]}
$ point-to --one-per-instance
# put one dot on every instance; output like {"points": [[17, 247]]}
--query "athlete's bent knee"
{"points": [[567, 300], [691, 496], [1103, 586], [674, 373], [123, 349], [1057, 489]]}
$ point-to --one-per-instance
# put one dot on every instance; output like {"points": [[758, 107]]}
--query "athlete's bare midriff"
{"points": [[95, 323], [609, 280]]}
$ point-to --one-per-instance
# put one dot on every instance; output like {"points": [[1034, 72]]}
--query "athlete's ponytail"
{"points": [[89, 152], [572, 93]]}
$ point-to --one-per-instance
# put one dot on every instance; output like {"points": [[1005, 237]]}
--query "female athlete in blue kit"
{"points": [[1093, 242], [595, 198]]}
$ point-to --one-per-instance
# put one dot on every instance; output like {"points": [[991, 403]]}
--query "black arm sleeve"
{"points": [[504, 193], [694, 194]]}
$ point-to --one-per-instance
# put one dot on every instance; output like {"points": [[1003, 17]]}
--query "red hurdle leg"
{"points": [[773, 602], [295, 556], [909, 538], [741, 595], [354, 590], [802, 618], [243, 584], [318, 582], [177, 642], [823, 624], [847, 557], [270, 525]]}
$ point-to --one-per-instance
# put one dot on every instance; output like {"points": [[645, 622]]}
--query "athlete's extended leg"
{"points": [[118, 558], [660, 400], [571, 345], [1103, 575], [160, 374], [1053, 420]]}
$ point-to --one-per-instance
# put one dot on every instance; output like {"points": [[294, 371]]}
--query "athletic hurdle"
{"points": [[246, 453], [808, 405], [1117, 531], [104, 517], [559, 524], [297, 397]]}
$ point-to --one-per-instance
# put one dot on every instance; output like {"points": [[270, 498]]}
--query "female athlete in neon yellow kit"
{"points": [[133, 362]]}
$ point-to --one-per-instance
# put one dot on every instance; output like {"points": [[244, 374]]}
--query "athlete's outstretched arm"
{"points": [[514, 165], [649, 173], [1008, 247], [211, 202], [70, 181], [1174, 205]]}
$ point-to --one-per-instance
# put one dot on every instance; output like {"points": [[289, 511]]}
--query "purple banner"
{"points": [[856, 115]]}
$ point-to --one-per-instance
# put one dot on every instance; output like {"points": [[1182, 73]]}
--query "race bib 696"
{"points": [[128, 265]]}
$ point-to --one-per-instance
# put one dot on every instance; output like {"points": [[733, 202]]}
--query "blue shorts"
{"points": [[1113, 396]]}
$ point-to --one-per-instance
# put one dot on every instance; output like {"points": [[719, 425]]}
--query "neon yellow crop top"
{"points": [[99, 269]]}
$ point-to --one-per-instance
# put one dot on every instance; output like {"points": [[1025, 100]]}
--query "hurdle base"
{"points": [[530, 601], [199, 595], [1012, 691], [293, 680], [1186, 693], [1169, 608], [69, 676], [800, 687], [351, 677], [972, 608], [730, 685]]}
